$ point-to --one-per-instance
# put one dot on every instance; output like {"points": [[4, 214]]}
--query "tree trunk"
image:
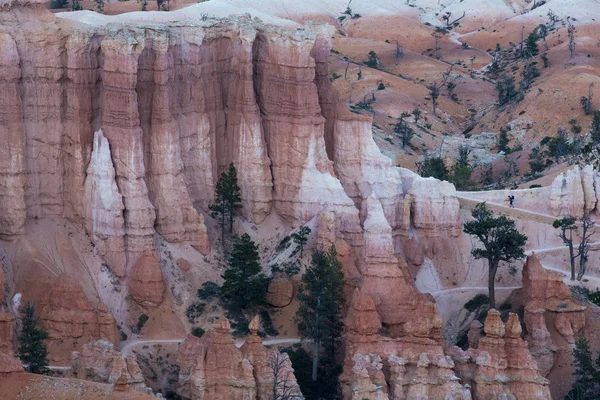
{"points": [[572, 256], [315, 359], [492, 282]]}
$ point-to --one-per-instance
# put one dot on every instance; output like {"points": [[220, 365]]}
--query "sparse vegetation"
{"points": [[476, 302], [194, 311], [197, 331], [434, 167], [301, 237], [32, 346], [141, 322]]}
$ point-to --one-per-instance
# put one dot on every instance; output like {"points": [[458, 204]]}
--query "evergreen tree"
{"points": [[402, 129], [462, 170], [100, 6], [301, 238], [32, 348], [321, 298], [503, 141], [433, 166], [244, 285], [500, 239], [536, 161], [587, 374], [531, 44], [567, 225], [228, 199], [75, 5]]}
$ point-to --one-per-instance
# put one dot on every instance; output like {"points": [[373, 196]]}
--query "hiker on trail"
{"points": [[511, 200]]}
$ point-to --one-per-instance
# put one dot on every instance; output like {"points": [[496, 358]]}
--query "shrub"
{"points": [[197, 331], [142, 321], [535, 186], [209, 291], [594, 297], [194, 310], [505, 306], [381, 86], [476, 302]]}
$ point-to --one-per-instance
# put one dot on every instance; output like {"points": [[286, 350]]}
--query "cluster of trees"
{"points": [[586, 373], [460, 175]]}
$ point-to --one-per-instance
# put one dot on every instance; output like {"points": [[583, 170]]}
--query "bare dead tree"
{"points": [[586, 102], [284, 388], [437, 35], [587, 231], [399, 51], [346, 71], [435, 88], [446, 17], [571, 30]]}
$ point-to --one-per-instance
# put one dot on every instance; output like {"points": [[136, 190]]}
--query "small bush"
{"points": [[594, 297], [334, 76], [209, 291], [505, 306], [535, 186], [476, 302], [194, 310], [381, 86], [198, 332], [142, 321]]}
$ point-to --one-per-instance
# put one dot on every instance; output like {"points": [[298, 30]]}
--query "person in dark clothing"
{"points": [[511, 200]]}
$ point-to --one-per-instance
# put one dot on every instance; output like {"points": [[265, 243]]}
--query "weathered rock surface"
{"points": [[100, 362], [501, 366], [7, 332], [2, 285], [146, 284], [212, 367], [9, 364], [280, 291], [567, 194], [68, 315]]}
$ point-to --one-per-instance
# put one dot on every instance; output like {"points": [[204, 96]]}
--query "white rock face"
{"points": [[377, 231], [589, 193], [103, 207], [434, 207], [567, 197]]}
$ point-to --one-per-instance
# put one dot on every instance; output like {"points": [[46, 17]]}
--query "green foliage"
{"points": [[32, 347], [326, 386], [417, 114], [586, 372], [531, 44], [506, 90], [535, 186], [461, 177], [545, 60], [505, 307], [198, 332], [194, 310], [500, 239], [301, 237], [403, 131], [142, 321], [476, 302], [228, 199], [373, 60], [321, 298], [76, 6], [434, 167], [380, 86], [209, 291], [594, 297], [595, 128], [100, 6], [503, 141], [536, 162], [559, 146], [58, 4], [244, 285]]}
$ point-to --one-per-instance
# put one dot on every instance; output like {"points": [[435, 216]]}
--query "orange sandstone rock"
{"points": [[146, 284]]}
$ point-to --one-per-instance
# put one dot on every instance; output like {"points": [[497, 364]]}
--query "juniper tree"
{"points": [[227, 200], [595, 128], [32, 348], [531, 44], [500, 239], [417, 114], [244, 286], [321, 298]]}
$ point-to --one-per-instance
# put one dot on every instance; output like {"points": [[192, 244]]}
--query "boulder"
{"points": [[280, 291]]}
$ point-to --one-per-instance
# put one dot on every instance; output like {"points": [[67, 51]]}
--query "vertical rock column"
{"points": [[176, 218], [121, 126], [303, 176], [12, 161], [42, 65], [80, 110]]}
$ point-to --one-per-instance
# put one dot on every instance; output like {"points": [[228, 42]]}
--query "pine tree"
{"points": [[587, 375], [567, 225], [500, 239], [32, 348], [244, 285], [434, 167], [301, 237], [228, 200], [321, 298]]}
